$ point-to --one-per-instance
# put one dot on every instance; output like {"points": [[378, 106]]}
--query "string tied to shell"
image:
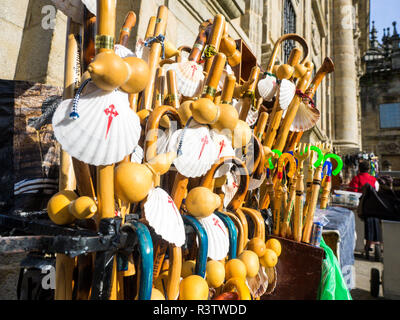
{"points": [[74, 114], [305, 96], [160, 39]]}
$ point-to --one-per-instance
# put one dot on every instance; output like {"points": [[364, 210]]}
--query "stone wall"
{"points": [[376, 89]]}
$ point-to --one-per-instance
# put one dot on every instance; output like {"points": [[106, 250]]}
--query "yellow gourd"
{"points": [[57, 207], [215, 273], [241, 135], [193, 288], [251, 261], [201, 202], [83, 208]]}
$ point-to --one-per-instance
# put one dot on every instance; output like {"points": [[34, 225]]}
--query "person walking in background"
{"points": [[372, 226]]}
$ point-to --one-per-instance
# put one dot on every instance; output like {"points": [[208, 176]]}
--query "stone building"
{"points": [[380, 96], [33, 44]]}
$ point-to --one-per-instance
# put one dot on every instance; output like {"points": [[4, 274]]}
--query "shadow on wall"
{"points": [[33, 58]]}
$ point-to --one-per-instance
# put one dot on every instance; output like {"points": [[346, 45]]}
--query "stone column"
{"points": [[345, 77]]}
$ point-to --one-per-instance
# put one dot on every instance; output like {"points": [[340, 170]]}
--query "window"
{"points": [[389, 115], [289, 26]]}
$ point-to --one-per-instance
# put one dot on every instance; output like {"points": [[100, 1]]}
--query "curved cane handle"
{"points": [[146, 253], [244, 181], [339, 161], [233, 234], [241, 231], [238, 285], [281, 164], [152, 126], [317, 163], [289, 36], [201, 261], [259, 223]]}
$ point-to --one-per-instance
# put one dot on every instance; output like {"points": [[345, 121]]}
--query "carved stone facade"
{"points": [[380, 94], [333, 28]]}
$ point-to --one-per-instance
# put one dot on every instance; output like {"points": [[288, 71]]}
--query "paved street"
{"points": [[363, 274]]}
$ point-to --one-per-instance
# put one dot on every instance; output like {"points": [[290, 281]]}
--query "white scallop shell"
{"points": [[164, 217], [231, 187], [224, 149], [189, 77], [198, 152], [287, 91], [237, 104], [106, 131], [267, 87], [218, 237], [306, 118], [252, 117], [137, 154], [74, 8], [258, 285], [123, 51]]}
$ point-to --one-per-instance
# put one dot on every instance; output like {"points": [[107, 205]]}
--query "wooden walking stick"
{"points": [[277, 111], [65, 264], [177, 194], [289, 207], [316, 185], [301, 153], [214, 41], [249, 96], [155, 54], [279, 190]]}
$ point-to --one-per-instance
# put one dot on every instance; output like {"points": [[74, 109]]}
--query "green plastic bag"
{"points": [[332, 285]]}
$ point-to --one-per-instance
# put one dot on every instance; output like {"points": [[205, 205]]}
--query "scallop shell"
{"points": [[189, 77], [224, 148], [74, 8], [286, 93], [252, 117], [164, 217], [137, 154], [230, 188], [218, 237], [237, 104], [267, 87], [163, 140], [197, 153], [106, 131], [123, 51], [258, 285], [306, 118]]}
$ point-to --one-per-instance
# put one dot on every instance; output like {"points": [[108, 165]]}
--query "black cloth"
{"points": [[372, 229]]}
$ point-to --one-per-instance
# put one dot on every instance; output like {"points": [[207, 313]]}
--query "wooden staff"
{"points": [[277, 112], [214, 41], [64, 264], [326, 190], [249, 96], [130, 22], [89, 36], [172, 97], [154, 58], [211, 85], [289, 207], [261, 125], [159, 87], [301, 154], [227, 91]]}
